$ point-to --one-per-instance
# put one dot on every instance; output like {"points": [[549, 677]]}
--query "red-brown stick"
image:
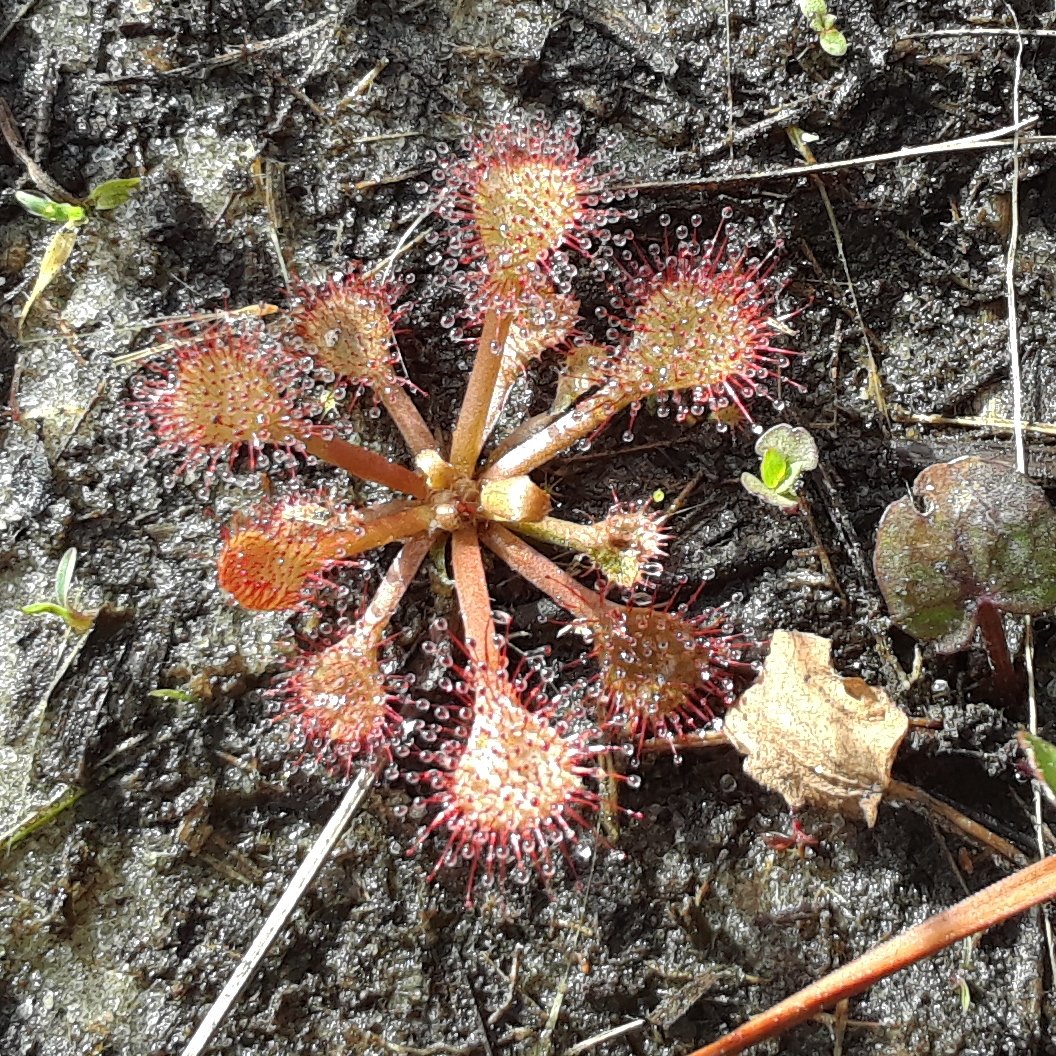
{"points": [[986, 908]]}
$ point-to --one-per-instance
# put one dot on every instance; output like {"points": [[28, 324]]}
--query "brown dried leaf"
{"points": [[812, 736], [54, 260]]}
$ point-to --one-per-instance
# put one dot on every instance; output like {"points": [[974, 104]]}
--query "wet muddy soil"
{"points": [[276, 136]]}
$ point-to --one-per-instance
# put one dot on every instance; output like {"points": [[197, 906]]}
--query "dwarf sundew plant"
{"points": [[507, 769]]}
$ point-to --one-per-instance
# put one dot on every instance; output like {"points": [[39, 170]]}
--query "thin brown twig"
{"points": [[729, 78], [982, 141], [605, 1037], [245, 53], [1010, 265], [997, 425], [897, 793], [370, 1041], [680, 500], [16, 18], [1017, 432], [952, 819], [276, 921], [616, 452], [385, 181], [876, 387], [961, 32], [822, 552], [511, 988], [15, 144]]}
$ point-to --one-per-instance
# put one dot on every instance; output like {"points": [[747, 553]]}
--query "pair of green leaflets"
{"points": [[832, 41], [72, 216]]}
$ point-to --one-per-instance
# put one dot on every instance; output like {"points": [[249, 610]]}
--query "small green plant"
{"points": [[976, 540], [832, 41], [78, 620], [1040, 757], [184, 696], [72, 216], [785, 453]]}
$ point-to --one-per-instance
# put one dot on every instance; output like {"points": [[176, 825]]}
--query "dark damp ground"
{"points": [[123, 916]]}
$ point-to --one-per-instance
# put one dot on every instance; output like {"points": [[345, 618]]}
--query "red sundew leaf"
{"points": [[984, 533], [340, 701], [270, 556], [510, 787], [700, 325], [540, 328], [544, 326], [632, 541], [521, 196], [625, 547], [346, 325], [221, 391], [661, 673]]}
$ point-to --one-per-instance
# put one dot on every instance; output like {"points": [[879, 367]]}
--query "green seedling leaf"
{"points": [[55, 256], [64, 798], [794, 443], [182, 695], [46, 209], [113, 193], [833, 42], [786, 453], [975, 532], [77, 621], [46, 608], [64, 576], [1041, 758], [754, 486], [774, 469], [80, 622]]}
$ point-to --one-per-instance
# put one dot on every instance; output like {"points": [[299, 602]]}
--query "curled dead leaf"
{"points": [[812, 736], [54, 260]]}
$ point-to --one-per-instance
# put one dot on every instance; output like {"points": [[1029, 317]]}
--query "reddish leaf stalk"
{"points": [[403, 411], [625, 546], [393, 586], [988, 617], [365, 464], [469, 435], [526, 561], [587, 417], [388, 522], [582, 538], [985, 909], [474, 602], [527, 340]]}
